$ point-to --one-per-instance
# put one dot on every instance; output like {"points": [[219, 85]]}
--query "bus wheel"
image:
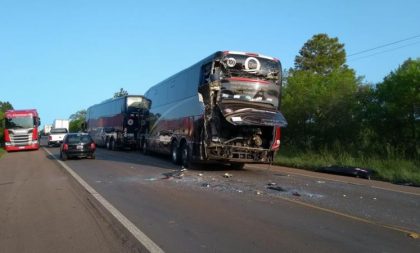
{"points": [[176, 157], [185, 155], [237, 166], [112, 144]]}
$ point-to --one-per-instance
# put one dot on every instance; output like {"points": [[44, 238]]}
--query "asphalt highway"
{"points": [[41, 210], [211, 208]]}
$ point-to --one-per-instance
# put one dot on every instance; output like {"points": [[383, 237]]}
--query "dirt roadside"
{"points": [[40, 211]]}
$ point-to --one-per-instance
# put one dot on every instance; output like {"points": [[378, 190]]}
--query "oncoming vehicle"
{"points": [[21, 130], [224, 108], [77, 145]]}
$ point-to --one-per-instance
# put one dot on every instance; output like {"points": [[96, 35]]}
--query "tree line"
{"points": [[4, 106], [330, 108]]}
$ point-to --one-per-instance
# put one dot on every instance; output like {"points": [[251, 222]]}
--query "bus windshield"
{"points": [[250, 90], [20, 122], [250, 78], [134, 104], [234, 65]]}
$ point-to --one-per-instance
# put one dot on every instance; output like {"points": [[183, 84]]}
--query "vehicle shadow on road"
{"points": [[153, 160]]}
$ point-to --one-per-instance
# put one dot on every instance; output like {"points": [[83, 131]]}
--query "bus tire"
{"points": [[112, 144], [175, 153], [185, 155]]}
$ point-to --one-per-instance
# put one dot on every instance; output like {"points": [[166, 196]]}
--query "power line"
{"points": [[385, 45], [385, 51]]}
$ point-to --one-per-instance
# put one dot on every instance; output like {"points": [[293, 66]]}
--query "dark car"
{"points": [[77, 145]]}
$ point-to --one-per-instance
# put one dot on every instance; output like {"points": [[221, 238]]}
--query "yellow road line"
{"points": [[412, 234], [382, 188], [347, 182]]}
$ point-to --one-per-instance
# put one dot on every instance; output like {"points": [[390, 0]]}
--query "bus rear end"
{"points": [[244, 124]]}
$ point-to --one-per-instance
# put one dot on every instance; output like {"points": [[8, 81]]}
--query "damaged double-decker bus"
{"points": [[223, 109]]}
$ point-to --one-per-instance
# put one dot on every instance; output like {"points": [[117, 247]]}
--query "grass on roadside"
{"points": [[394, 170], [1, 151]]}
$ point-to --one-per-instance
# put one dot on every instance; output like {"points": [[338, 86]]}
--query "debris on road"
{"points": [[297, 194], [227, 175], [347, 171], [258, 192], [151, 179], [276, 188], [281, 175], [271, 184], [320, 182], [183, 169], [206, 185], [174, 174], [200, 174], [414, 235]]}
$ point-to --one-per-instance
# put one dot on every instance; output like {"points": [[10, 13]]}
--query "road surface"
{"points": [[41, 211], [258, 209]]}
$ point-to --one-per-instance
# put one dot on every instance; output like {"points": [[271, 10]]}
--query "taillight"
{"points": [[276, 141], [92, 146], [65, 147]]}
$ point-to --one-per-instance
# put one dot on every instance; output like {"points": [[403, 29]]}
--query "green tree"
{"points": [[4, 106], [120, 93], [321, 55], [77, 120], [367, 112], [398, 96], [319, 97]]}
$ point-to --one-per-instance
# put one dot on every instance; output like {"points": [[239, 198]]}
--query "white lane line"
{"points": [[136, 232]]}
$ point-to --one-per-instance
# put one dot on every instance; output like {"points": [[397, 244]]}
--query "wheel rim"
{"points": [[184, 155]]}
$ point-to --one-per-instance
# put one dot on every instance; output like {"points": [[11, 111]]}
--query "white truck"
{"points": [[59, 129], [56, 136], [61, 123]]}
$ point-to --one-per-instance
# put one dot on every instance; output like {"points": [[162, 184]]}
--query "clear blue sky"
{"points": [[63, 56]]}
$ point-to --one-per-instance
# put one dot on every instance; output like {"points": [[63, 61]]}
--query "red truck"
{"points": [[21, 130]]}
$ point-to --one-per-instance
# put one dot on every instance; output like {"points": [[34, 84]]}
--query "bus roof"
{"points": [[117, 98], [217, 54]]}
